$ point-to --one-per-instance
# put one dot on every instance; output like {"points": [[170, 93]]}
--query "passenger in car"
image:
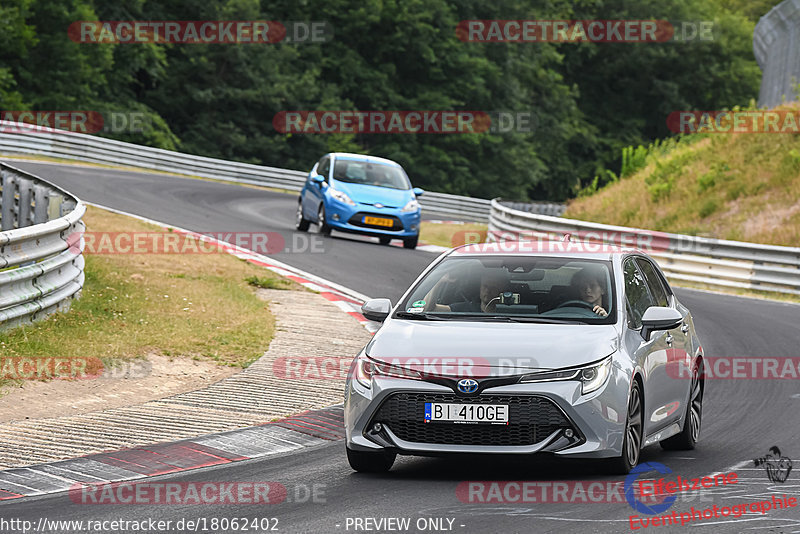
{"points": [[493, 283], [589, 286]]}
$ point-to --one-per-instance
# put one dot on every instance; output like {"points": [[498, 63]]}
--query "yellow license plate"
{"points": [[378, 221]]}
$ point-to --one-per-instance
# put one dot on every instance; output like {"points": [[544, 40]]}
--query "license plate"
{"points": [[466, 413], [378, 221]]}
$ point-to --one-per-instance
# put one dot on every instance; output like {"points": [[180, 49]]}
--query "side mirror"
{"points": [[418, 192], [659, 318], [318, 179], [377, 309]]}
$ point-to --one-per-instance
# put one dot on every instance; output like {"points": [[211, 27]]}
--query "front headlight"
{"points": [[412, 205], [592, 376], [341, 197], [595, 376], [366, 368]]}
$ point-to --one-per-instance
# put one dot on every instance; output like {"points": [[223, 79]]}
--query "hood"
{"points": [[447, 345], [370, 194]]}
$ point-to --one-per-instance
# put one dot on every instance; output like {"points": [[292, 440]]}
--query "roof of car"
{"points": [[570, 249], [364, 157]]}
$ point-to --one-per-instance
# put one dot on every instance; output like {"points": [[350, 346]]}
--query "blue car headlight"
{"points": [[341, 197], [412, 205]]}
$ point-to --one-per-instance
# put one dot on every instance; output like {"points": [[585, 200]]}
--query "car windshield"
{"points": [[529, 289], [370, 173]]}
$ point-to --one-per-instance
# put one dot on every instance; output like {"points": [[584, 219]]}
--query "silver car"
{"points": [[527, 348]]}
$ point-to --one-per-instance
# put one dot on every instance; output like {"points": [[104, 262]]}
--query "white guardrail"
{"points": [[41, 245], [714, 262], [20, 138]]}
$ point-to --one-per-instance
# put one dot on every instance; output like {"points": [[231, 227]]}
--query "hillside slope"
{"points": [[744, 187]]}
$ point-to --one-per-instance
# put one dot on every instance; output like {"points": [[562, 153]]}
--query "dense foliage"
{"points": [[589, 100]]}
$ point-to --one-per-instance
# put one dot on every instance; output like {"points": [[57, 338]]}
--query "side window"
{"points": [[653, 282], [637, 296], [324, 168]]}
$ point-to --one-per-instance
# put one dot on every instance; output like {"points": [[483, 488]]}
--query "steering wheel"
{"points": [[577, 303]]}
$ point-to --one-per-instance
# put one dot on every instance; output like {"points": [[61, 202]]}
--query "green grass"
{"points": [[197, 306], [451, 235], [268, 283], [744, 187]]}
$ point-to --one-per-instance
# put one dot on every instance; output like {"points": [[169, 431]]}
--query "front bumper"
{"points": [[350, 219], [543, 417]]}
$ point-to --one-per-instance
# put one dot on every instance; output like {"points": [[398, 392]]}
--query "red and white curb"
{"points": [[308, 429]]}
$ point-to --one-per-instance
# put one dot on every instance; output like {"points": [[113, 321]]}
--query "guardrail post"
{"points": [[24, 210], [66, 207], [7, 201], [41, 201], [54, 206]]}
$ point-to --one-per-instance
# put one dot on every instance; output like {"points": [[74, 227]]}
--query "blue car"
{"points": [[360, 194]]}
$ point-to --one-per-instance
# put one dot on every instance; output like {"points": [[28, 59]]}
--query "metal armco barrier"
{"points": [[41, 245], [776, 44], [539, 208], [19, 138], [715, 262]]}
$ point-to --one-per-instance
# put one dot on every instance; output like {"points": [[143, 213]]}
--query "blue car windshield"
{"points": [[550, 288], [370, 173]]}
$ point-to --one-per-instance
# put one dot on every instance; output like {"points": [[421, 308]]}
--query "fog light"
{"points": [[377, 427], [413, 227], [335, 216], [568, 432]]}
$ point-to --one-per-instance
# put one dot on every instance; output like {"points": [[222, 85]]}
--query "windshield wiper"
{"points": [[514, 318], [423, 316], [419, 316]]}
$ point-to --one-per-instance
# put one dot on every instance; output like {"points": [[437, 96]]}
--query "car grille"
{"points": [[531, 420], [358, 220]]}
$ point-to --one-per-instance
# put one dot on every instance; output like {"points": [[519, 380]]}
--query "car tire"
{"points": [[322, 225], [687, 439], [301, 223], [410, 242], [370, 462], [384, 240], [632, 441]]}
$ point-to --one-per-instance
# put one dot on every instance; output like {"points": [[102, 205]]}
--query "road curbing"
{"points": [[39, 448], [308, 429]]}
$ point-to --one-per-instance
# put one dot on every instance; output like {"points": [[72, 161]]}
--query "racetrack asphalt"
{"points": [[742, 418]]}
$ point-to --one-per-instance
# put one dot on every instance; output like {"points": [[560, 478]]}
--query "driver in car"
{"points": [[493, 283], [589, 284]]}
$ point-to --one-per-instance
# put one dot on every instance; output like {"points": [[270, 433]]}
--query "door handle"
{"points": [[669, 339], [685, 328]]}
